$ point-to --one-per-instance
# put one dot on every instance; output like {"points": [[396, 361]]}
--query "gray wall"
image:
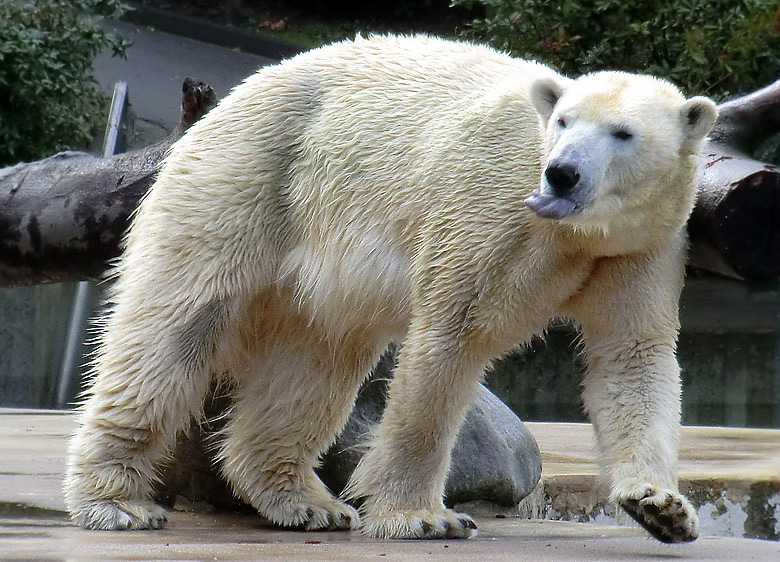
{"points": [[729, 351], [33, 325], [728, 379]]}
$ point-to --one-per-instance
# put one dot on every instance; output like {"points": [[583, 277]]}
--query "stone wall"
{"points": [[729, 352]]}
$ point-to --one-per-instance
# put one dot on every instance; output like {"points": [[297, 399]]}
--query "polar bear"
{"points": [[438, 193]]}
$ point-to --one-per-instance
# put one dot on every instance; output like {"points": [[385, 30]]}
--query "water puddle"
{"points": [[15, 513]]}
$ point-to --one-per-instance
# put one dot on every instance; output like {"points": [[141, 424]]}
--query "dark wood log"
{"points": [[745, 122], [735, 225], [63, 218]]}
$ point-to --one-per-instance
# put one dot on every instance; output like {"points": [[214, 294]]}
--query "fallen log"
{"points": [[735, 225], [62, 218]]}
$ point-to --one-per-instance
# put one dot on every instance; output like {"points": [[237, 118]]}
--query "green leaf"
{"points": [[48, 95], [682, 40]]}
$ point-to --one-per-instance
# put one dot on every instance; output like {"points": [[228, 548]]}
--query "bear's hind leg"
{"points": [[152, 376], [290, 411]]}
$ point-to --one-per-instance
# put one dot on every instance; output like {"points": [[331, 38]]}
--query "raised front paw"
{"points": [[666, 515], [120, 515], [420, 524]]}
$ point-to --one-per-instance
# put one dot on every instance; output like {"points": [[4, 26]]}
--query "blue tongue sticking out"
{"points": [[550, 206]]}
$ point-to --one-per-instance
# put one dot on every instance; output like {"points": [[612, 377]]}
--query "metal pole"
{"points": [[84, 290]]}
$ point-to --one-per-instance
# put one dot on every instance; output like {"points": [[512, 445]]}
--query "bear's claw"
{"points": [[667, 516], [420, 524], [332, 515], [121, 515]]}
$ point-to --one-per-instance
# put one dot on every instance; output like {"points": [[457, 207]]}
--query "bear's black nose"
{"points": [[562, 178]]}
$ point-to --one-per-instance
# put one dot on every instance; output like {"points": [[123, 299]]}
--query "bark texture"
{"points": [[735, 226], [63, 218]]}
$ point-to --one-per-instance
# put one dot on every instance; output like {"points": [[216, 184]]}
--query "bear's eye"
{"points": [[562, 122], [622, 134]]}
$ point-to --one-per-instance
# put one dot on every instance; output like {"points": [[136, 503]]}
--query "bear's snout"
{"points": [[562, 178]]}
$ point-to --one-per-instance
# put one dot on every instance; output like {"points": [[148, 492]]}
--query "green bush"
{"points": [[714, 47], [49, 100]]}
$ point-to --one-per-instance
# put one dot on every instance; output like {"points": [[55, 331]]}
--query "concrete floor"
{"points": [[230, 537], [33, 527]]}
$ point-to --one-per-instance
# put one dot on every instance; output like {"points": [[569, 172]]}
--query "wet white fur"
{"points": [[373, 189]]}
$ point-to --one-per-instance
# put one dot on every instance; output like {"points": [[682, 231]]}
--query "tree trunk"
{"points": [[735, 225], [745, 122]]}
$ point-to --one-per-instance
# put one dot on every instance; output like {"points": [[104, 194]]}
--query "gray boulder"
{"points": [[495, 459]]}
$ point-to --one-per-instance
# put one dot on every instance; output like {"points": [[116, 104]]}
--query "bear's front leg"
{"points": [[631, 389], [401, 478], [632, 395]]}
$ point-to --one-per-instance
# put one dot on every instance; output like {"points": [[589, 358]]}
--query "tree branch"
{"points": [[735, 225], [745, 122]]}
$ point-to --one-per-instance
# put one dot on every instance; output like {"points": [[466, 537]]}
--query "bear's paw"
{"points": [[666, 515], [420, 524], [327, 515], [120, 515]]}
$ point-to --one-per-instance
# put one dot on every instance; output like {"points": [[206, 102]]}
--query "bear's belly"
{"points": [[342, 288]]}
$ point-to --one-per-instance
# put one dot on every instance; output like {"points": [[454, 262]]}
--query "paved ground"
{"points": [[728, 453], [157, 64], [33, 447], [224, 537]]}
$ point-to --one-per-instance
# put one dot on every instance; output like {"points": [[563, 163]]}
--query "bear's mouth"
{"points": [[550, 206]]}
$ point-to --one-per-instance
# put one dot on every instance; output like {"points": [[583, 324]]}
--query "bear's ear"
{"points": [[698, 117], [545, 93]]}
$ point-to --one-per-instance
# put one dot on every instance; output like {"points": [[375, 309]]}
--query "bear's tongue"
{"points": [[550, 206]]}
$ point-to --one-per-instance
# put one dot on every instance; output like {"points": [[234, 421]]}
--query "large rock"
{"points": [[495, 459]]}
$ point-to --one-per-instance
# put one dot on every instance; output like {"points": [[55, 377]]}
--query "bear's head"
{"points": [[619, 151]]}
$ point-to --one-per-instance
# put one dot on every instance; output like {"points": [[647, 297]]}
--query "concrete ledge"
{"points": [[732, 475], [727, 469]]}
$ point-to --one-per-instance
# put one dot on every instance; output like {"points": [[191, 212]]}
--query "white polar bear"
{"points": [[390, 187]]}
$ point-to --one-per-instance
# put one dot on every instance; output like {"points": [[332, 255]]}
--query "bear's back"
{"points": [[377, 117], [355, 144]]}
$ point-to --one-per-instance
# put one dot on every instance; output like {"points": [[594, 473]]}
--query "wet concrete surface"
{"points": [[34, 527], [243, 537]]}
